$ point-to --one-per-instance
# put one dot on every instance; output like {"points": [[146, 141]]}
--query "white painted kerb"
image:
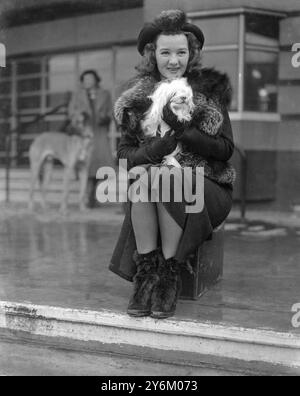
{"points": [[186, 336]]}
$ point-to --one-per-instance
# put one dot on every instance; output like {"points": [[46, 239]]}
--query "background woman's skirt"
{"points": [[197, 227]]}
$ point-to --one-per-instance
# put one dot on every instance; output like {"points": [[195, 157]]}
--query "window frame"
{"points": [[242, 47]]}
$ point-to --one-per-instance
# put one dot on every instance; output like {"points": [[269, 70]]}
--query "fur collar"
{"points": [[134, 101]]}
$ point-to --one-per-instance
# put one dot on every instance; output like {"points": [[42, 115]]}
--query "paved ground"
{"points": [[50, 260], [27, 360]]}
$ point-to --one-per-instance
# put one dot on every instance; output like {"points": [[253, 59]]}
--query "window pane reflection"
{"points": [[29, 67], [61, 64], [32, 84], [226, 62], [61, 82], [261, 72], [29, 102], [5, 87]]}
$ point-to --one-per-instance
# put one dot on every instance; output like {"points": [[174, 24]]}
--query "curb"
{"points": [[118, 329]]}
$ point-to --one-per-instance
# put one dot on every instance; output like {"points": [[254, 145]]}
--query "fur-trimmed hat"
{"points": [[170, 21]]}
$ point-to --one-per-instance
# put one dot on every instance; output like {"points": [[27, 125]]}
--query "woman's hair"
{"points": [[93, 73], [148, 65]]}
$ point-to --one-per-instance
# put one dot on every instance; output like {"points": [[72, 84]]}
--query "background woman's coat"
{"points": [[100, 111]]}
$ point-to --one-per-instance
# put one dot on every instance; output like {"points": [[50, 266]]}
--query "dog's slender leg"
{"points": [[66, 186], [48, 166], [34, 177], [83, 177]]}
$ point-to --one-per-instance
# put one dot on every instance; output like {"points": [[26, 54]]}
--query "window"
{"points": [[226, 62], [261, 81], [245, 45], [261, 63]]}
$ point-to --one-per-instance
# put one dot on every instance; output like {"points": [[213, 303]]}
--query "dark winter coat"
{"points": [[101, 116], [207, 141], [209, 133]]}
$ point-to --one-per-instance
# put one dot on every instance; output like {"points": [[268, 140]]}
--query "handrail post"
{"points": [[243, 197], [7, 167]]}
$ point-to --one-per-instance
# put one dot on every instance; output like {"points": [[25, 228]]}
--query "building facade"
{"points": [[49, 45]]}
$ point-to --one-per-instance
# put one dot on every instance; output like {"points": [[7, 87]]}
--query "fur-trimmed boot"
{"points": [[166, 291], [144, 281]]}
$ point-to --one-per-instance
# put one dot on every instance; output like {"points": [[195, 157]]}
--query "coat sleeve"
{"points": [[151, 152], [219, 147], [72, 106], [104, 116], [128, 149]]}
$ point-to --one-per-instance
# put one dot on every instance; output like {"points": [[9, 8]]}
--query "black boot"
{"points": [[143, 282], [166, 292]]}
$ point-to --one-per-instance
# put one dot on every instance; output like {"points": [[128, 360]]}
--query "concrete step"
{"points": [[258, 350]]}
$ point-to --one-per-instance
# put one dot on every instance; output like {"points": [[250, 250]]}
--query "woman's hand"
{"points": [[161, 147], [171, 119]]}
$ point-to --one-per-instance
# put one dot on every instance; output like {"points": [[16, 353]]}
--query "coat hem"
{"points": [[120, 273]]}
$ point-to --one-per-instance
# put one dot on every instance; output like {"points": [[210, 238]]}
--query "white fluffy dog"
{"points": [[179, 95]]}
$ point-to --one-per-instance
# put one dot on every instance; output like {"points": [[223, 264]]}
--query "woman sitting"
{"points": [[157, 237]]}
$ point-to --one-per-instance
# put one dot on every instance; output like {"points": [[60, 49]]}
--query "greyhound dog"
{"points": [[73, 151]]}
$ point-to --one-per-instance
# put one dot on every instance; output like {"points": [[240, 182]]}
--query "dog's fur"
{"points": [[73, 151], [179, 95]]}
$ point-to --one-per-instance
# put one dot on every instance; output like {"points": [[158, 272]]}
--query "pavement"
{"points": [[53, 261], [21, 359]]}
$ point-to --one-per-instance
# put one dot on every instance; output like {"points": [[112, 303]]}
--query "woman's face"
{"points": [[172, 55], [89, 81]]}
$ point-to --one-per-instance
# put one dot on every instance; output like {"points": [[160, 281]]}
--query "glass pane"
{"points": [[6, 71], [5, 87], [261, 75], [57, 99], [218, 31], [263, 25], [256, 39], [29, 67], [226, 62], [126, 60], [29, 102], [37, 127], [61, 82], [102, 62], [4, 128], [5, 107], [32, 84], [61, 64]]}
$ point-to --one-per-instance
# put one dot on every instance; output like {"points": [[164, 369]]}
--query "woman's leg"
{"points": [[145, 225], [169, 230]]}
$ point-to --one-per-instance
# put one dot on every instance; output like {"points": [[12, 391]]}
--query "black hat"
{"points": [[171, 21]]}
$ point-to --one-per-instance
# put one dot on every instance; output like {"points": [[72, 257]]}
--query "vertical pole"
{"points": [[7, 167], [14, 115], [241, 100], [241, 63]]}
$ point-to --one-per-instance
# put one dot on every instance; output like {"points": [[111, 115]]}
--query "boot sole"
{"points": [[161, 315], [138, 314]]}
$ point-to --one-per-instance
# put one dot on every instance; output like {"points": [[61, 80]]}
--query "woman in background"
{"points": [[92, 99]]}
